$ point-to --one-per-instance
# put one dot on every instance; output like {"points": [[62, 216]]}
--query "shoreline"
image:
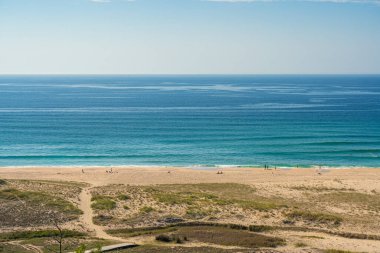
{"points": [[191, 167]]}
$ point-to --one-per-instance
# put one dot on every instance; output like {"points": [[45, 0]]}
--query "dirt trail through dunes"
{"points": [[88, 214]]}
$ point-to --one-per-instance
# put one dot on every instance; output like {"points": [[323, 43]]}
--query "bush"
{"points": [[102, 219], [103, 203], [38, 234], [81, 249], [178, 240], [166, 238], [3, 182], [123, 197], [315, 217], [147, 209], [163, 238], [237, 226], [258, 228], [300, 245], [337, 251]]}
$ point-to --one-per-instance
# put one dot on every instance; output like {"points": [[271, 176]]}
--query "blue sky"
{"points": [[189, 36]]}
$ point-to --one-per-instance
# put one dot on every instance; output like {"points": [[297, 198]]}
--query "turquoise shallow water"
{"points": [[190, 120]]}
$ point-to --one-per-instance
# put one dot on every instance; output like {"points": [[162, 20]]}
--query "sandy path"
{"points": [[88, 214]]}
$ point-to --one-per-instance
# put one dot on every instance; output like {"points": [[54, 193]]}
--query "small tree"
{"points": [[60, 236], [56, 220]]}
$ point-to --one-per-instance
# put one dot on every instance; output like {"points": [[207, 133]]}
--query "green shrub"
{"points": [[103, 203], [38, 234], [178, 240], [337, 251], [315, 217], [147, 209], [163, 238], [123, 197], [81, 249], [300, 245], [258, 228]]}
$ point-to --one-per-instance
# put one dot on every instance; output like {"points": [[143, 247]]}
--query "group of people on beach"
{"points": [[111, 171], [107, 171]]}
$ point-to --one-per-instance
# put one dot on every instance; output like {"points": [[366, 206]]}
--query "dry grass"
{"points": [[37, 234], [141, 206], [179, 249], [320, 189], [30, 208], [318, 218], [363, 200], [10, 248], [338, 251], [103, 202], [227, 237]]}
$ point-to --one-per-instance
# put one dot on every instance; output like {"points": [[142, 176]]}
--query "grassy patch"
{"points": [[221, 234], [259, 228], [196, 213], [223, 190], [9, 248], [188, 198], [37, 234], [103, 219], [315, 217], [70, 244], [41, 199], [172, 248], [123, 197], [227, 237], [211, 194], [371, 201], [140, 231], [3, 182], [147, 209], [300, 245], [337, 251], [312, 237], [103, 203], [63, 183], [320, 188], [167, 239], [257, 205]]}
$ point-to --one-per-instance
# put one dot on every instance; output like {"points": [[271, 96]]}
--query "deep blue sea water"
{"points": [[190, 120]]}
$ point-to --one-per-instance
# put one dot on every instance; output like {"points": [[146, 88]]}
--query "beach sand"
{"points": [[361, 178]]}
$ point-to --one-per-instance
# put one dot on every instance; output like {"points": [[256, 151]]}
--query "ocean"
{"points": [[195, 121]]}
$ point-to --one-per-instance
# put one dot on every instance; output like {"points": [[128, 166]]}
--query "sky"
{"points": [[189, 36]]}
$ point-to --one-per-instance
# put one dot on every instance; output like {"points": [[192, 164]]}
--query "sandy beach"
{"points": [[362, 178]]}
